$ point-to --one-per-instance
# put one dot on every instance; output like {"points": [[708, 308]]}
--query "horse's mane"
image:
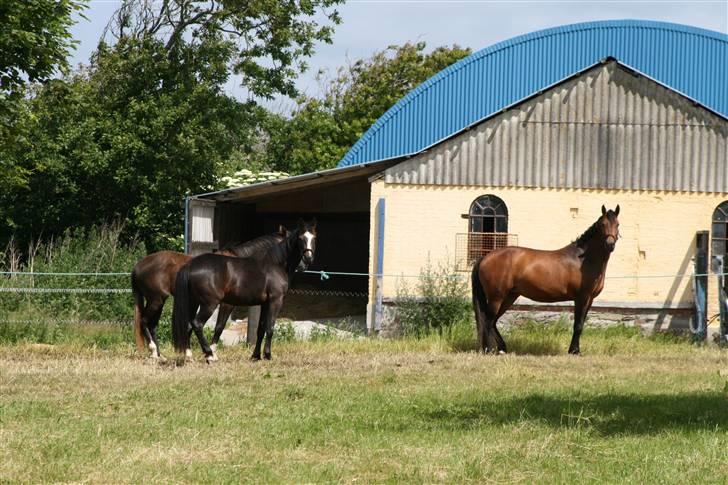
{"points": [[259, 245], [592, 231]]}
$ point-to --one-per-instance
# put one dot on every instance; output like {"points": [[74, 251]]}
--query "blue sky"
{"points": [[372, 25]]}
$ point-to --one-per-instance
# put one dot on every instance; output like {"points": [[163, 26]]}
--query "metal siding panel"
{"points": [[605, 129]]}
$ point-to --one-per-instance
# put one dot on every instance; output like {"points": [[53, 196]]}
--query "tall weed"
{"points": [[95, 250], [435, 303]]}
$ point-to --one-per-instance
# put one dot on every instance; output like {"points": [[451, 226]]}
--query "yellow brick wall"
{"points": [[657, 228]]}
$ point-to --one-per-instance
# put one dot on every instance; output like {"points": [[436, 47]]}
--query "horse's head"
{"points": [[306, 242], [610, 227]]}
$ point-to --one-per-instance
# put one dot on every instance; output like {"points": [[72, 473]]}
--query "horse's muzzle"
{"points": [[306, 261], [610, 243]]}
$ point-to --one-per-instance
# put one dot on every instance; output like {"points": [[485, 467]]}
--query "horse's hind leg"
{"points": [[152, 313], [497, 306], [198, 324], [504, 306], [193, 306], [223, 313]]}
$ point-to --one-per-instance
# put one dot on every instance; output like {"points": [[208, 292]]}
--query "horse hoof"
{"points": [[211, 358], [188, 354], [574, 352], [501, 352], [267, 356], [255, 358]]}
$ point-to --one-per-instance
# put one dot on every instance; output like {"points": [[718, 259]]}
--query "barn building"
{"points": [[521, 143]]}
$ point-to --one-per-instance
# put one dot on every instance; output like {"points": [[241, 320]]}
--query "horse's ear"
{"points": [[616, 210], [301, 224], [313, 223], [604, 209], [282, 230]]}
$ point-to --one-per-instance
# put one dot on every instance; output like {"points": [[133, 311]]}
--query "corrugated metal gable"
{"points": [[607, 128], [689, 60]]}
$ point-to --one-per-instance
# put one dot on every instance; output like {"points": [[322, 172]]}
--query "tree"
{"points": [[34, 41], [263, 41], [126, 139], [322, 129], [147, 121]]}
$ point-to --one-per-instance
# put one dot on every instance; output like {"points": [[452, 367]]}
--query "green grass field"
{"points": [[632, 409]]}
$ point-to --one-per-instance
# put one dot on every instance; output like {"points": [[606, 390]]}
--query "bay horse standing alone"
{"points": [[152, 282], [574, 272], [213, 279]]}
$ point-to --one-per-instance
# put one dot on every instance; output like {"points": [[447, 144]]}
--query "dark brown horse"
{"points": [[152, 282], [574, 272], [212, 279]]}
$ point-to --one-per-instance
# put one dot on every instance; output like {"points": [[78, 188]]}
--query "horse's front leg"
{"points": [[261, 332], [274, 307], [581, 308]]}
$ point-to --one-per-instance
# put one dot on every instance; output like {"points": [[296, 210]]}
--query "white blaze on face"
{"points": [[309, 240]]}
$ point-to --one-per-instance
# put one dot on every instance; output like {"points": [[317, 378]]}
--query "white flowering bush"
{"points": [[245, 177]]}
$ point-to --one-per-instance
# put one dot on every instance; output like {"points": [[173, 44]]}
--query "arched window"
{"points": [[487, 229], [488, 214], [719, 231]]}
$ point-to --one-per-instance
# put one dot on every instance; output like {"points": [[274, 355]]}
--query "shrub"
{"points": [[437, 302], [284, 332], [322, 334], [96, 250]]}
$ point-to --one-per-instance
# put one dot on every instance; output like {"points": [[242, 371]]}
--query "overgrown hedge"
{"points": [[96, 250]]}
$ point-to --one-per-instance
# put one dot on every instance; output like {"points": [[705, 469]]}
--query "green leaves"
{"points": [[34, 43], [264, 41], [34, 40], [323, 129]]}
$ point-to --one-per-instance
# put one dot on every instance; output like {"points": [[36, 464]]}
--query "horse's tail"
{"points": [[480, 301], [181, 311], [138, 305]]}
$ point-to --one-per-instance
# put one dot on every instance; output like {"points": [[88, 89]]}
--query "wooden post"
{"points": [[700, 285]]}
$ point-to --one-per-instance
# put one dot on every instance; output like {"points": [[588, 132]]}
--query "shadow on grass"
{"points": [[607, 415]]}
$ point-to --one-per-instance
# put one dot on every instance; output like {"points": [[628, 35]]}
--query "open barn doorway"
{"points": [[342, 213]]}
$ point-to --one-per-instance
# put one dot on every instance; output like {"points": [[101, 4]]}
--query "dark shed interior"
{"points": [[342, 213]]}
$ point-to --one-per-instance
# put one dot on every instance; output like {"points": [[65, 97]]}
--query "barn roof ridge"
{"points": [[378, 167], [354, 155], [558, 83]]}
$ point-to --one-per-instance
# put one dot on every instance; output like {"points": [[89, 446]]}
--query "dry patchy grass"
{"points": [[633, 409]]}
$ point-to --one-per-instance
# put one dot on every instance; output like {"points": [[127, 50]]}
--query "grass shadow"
{"points": [[606, 414]]}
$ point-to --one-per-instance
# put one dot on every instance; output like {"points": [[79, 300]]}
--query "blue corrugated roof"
{"points": [[687, 59]]}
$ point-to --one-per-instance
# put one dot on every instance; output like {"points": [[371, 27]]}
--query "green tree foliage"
{"points": [[322, 129], [148, 121], [34, 42], [128, 138], [266, 42]]}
